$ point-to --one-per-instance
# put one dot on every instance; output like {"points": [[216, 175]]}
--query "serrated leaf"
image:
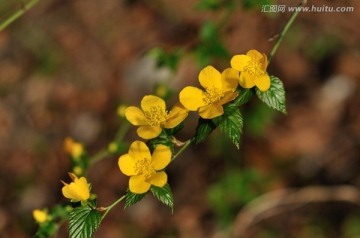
{"points": [[163, 139], [132, 198], [203, 130], [83, 222], [275, 96], [244, 96], [164, 195], [231, 123]]}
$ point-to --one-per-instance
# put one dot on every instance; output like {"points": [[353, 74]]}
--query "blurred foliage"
{"points": [[234, 189], [258, 118], [322, 46], [166, 59], [57, 215], [210, 46], [250, 4], [351, 227], [213, 5]]}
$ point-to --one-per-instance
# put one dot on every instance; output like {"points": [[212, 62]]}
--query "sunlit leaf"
{"points": [[83, 222], [164, 195], [132, 198], [275, 96]]}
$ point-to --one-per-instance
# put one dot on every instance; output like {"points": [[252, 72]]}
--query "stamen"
{"points": [[144, 167], [254, 68], [212, 96], [155, 115]]}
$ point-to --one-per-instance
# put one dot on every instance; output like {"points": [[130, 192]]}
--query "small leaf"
{"points": [[164, 195], [204, 128], [174, 130], [132, 198], [231, 123], [162, 139], [244, 96], [83, 222], [275, 96]]}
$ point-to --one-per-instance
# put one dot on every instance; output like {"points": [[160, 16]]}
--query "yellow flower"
{"points": [[78, 190], [40, 216], [143, 168], [219, 90], [152, 116], [75, 149], [253, 70]]}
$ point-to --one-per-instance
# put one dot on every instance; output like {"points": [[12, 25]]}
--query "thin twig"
{"points": [[17, 14], [285, 29], [286, 200]]}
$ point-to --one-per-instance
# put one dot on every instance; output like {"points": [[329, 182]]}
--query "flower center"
{"points": [[254, 68], [144, 167], [212, 96], [155, 115]]}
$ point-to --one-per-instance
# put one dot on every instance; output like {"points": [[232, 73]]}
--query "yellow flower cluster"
{"points": [[146, 169]]}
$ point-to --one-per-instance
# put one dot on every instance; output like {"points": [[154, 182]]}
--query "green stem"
{"points": [[17, 14], [284, 31], [111, 206], [98, 156], [187, 143], [122, 130]]}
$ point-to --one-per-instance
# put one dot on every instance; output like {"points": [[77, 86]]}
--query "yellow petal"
{"points": [[150, 101], [239, 62], [159, 179], [255, 55], [210, 78], [211, 111], [192, 98], [138, 151], [78, 191], [246, 80], [177, 114], [264, 63], [263, 82], [138, 185], [68, 192], [228, 97], [230, 80], [135, 116], [127, 165], [161, 157], [83, 189], [149, 132]]}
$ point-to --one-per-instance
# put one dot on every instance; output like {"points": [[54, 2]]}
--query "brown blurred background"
{"points": [[65, 66]]}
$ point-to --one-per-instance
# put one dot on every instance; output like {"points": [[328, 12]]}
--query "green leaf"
{"points": [[275, 96], [175, 130], [244, 96], [164, 195], [83, 222], [231, 123], [132, 198], [162, 139], [203, 130]]}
